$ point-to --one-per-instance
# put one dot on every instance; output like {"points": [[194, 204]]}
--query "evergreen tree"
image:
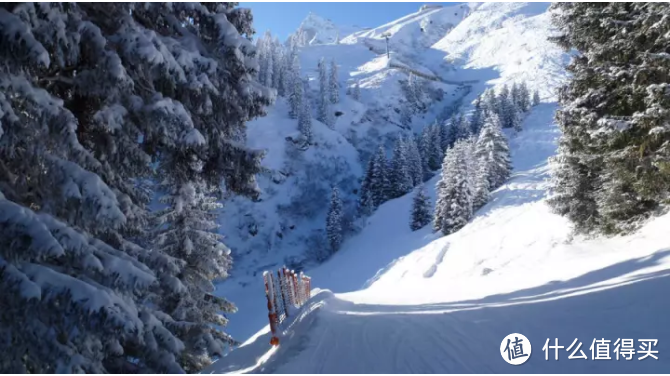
{"points": [[481, 187], [400, 179], [462, 128], [414, 162], [357, 92], [322, 113], [283, 79], [366, 202], [524, 97], [278, 64], [334, 221], [416, 88], [453, 208], [414, 92], [187, 231], [333, 84], [296, 97], [305, 121], [491, 106], [449, 132], [477, 118], [614, 146], [516, 94], [269, 61], [425, 147], [379, 183], [262, 52], [573, 190], [492, 149], [471, 162], [507, 109], [87, 108], [435, 151], [536, 98], [421, 209]]}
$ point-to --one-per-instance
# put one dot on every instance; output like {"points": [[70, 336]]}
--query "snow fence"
{"points": [[286, 293]]}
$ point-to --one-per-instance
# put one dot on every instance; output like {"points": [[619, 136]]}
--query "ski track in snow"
{"points": [[438, 260]]}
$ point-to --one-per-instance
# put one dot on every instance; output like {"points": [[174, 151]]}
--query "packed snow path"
{"points": [[446, 306]]}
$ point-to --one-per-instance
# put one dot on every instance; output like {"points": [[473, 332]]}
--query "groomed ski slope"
{"points": [[414, 302]]}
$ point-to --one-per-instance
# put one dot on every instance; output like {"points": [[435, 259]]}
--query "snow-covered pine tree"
{"points": [[515, 94], [282, 69], [448, 130], [333, 83], [507, 108], [379, 183], [296, 97], [261, 55], [305, 121], [573, 190], [470, 160], [536, 98], [186, 230], [477, 117], [357, 91], [366, 202], [278, 64], [413, 89], [334, 221], [414, 161], [410, 92], [207, 153], [421, 209], [614, 146], [481, 187], [491, 105], [462, 130], [436, 153], [453, 208], [492, 148], [322, 100], [524, 97], [270, 63], [75, 99], [425, 146], [400, 179]]}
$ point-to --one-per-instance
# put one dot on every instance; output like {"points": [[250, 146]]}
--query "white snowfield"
{"points": [[396, 301]]}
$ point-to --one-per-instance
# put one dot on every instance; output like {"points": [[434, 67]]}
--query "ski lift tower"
{"points": [[387, 36]]}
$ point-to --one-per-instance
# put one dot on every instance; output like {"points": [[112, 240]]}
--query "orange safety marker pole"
{"points": [[272, 314]]}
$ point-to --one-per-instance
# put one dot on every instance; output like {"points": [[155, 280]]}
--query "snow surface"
{"points": [[403, 301]]}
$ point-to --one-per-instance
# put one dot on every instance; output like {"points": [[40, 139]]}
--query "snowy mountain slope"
{"points": [[315, 30], [446, 306], [410, 34], [277, 231], [502, 43]]}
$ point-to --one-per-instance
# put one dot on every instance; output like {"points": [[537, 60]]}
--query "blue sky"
{"points": [[283, 18]]}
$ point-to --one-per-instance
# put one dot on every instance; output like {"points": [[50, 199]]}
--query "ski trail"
{"points": [[438, 260]]}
